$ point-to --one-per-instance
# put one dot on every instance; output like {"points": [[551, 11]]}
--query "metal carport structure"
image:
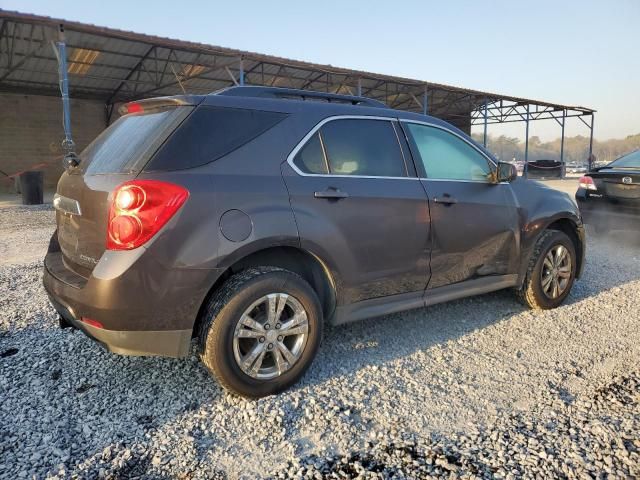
{"points": [[116, 66]]}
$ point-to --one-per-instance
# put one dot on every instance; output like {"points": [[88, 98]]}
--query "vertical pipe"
{"points": [[485, 124], [526, 146], [63, 76], [590, 161], [241, 71], [359, 87], [562, 165], [425, 106]]}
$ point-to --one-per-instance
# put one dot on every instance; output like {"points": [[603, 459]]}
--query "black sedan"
{"points": [[609, 196]]}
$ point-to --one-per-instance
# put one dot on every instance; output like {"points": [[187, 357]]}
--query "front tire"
{"points": [[551, 272], [261, 331]]}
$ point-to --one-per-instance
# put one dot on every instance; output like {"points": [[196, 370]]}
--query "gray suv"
{"points": [[250, 217]]}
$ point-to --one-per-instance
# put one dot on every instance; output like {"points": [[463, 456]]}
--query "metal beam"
{"points": [[232, 76], [129, 75], [200, 75], [311, 81], [13, 67]]}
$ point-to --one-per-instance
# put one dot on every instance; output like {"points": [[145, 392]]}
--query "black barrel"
{"points": [[31, 186]]}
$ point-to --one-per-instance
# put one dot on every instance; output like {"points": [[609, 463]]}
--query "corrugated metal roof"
{"points": [[131, 65]]}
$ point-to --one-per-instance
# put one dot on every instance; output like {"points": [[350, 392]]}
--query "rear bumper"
{"points": [[166, 343], [144, 307], [607, 216]]}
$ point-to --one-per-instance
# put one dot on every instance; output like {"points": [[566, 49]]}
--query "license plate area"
{"points": [[67, 233], [623, 191]]}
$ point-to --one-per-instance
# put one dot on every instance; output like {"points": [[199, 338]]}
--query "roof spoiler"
{"points": [[140, 106], [296, 94]]}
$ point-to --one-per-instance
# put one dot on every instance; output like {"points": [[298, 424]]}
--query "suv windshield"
{"points": [[631, 160], [129, 142]]}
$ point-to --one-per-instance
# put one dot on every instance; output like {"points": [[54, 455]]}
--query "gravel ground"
{"points": [[478, 387]]}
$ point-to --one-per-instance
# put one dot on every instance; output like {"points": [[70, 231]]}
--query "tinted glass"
{"points": [[363, 147], [445, 156], [310, 158], [210, 133], [632, 160], [127, 144]]}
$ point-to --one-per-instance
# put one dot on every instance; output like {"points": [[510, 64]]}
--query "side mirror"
{"points": [[506, 172]]}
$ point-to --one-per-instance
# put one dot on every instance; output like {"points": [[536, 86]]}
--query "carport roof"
{"points": [[113, 65]]}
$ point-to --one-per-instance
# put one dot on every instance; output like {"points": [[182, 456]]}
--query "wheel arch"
{"points": [[564, 222], [304, 263]]}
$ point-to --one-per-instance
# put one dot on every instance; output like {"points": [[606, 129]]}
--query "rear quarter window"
{"points": [[211, 133]]}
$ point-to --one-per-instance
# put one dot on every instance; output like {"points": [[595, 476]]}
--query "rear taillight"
{"points": [[587, 183], [139, 209]]}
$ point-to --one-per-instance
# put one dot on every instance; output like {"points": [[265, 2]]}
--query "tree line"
{"points": [[576, 149]]}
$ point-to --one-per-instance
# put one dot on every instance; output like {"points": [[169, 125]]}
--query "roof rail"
{"points": [[293, 93]]}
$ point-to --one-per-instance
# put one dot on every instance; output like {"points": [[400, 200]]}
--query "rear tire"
{"points": [[271, 302], [551, 272]]}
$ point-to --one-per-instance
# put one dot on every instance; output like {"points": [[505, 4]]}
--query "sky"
{"points": [[569, 52]]}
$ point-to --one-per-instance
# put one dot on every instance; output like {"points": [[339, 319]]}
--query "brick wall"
{"points": [[31, 132]]}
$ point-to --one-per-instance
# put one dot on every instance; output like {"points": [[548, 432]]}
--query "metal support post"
{"points": [[590, 161], [359, 87], [526, 146], [241, 71], [562, 164], [485, 123], [425, 106], [60, 49]]}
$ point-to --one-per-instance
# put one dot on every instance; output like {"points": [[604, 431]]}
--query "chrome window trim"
{"points": [[460, 181], [324, 121], [395, 125], [325, 156], [489, 160]]}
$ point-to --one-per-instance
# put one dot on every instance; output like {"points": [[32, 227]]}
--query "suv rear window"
{"points": [[129, 142], [211, 133]]}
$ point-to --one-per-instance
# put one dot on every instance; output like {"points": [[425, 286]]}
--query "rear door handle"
{"points": [[445, 199], [331, 193]]}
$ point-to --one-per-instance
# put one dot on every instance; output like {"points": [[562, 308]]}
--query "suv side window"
{"points": [[311, 159], [363, 147], [445, 156], [359, 147]]}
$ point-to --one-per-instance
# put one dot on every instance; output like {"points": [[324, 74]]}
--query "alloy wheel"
{"points": [[556, 271], [270, 336]]}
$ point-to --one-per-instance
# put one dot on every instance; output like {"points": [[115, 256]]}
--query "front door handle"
{"points": [[445, 199], [331, 193]]}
